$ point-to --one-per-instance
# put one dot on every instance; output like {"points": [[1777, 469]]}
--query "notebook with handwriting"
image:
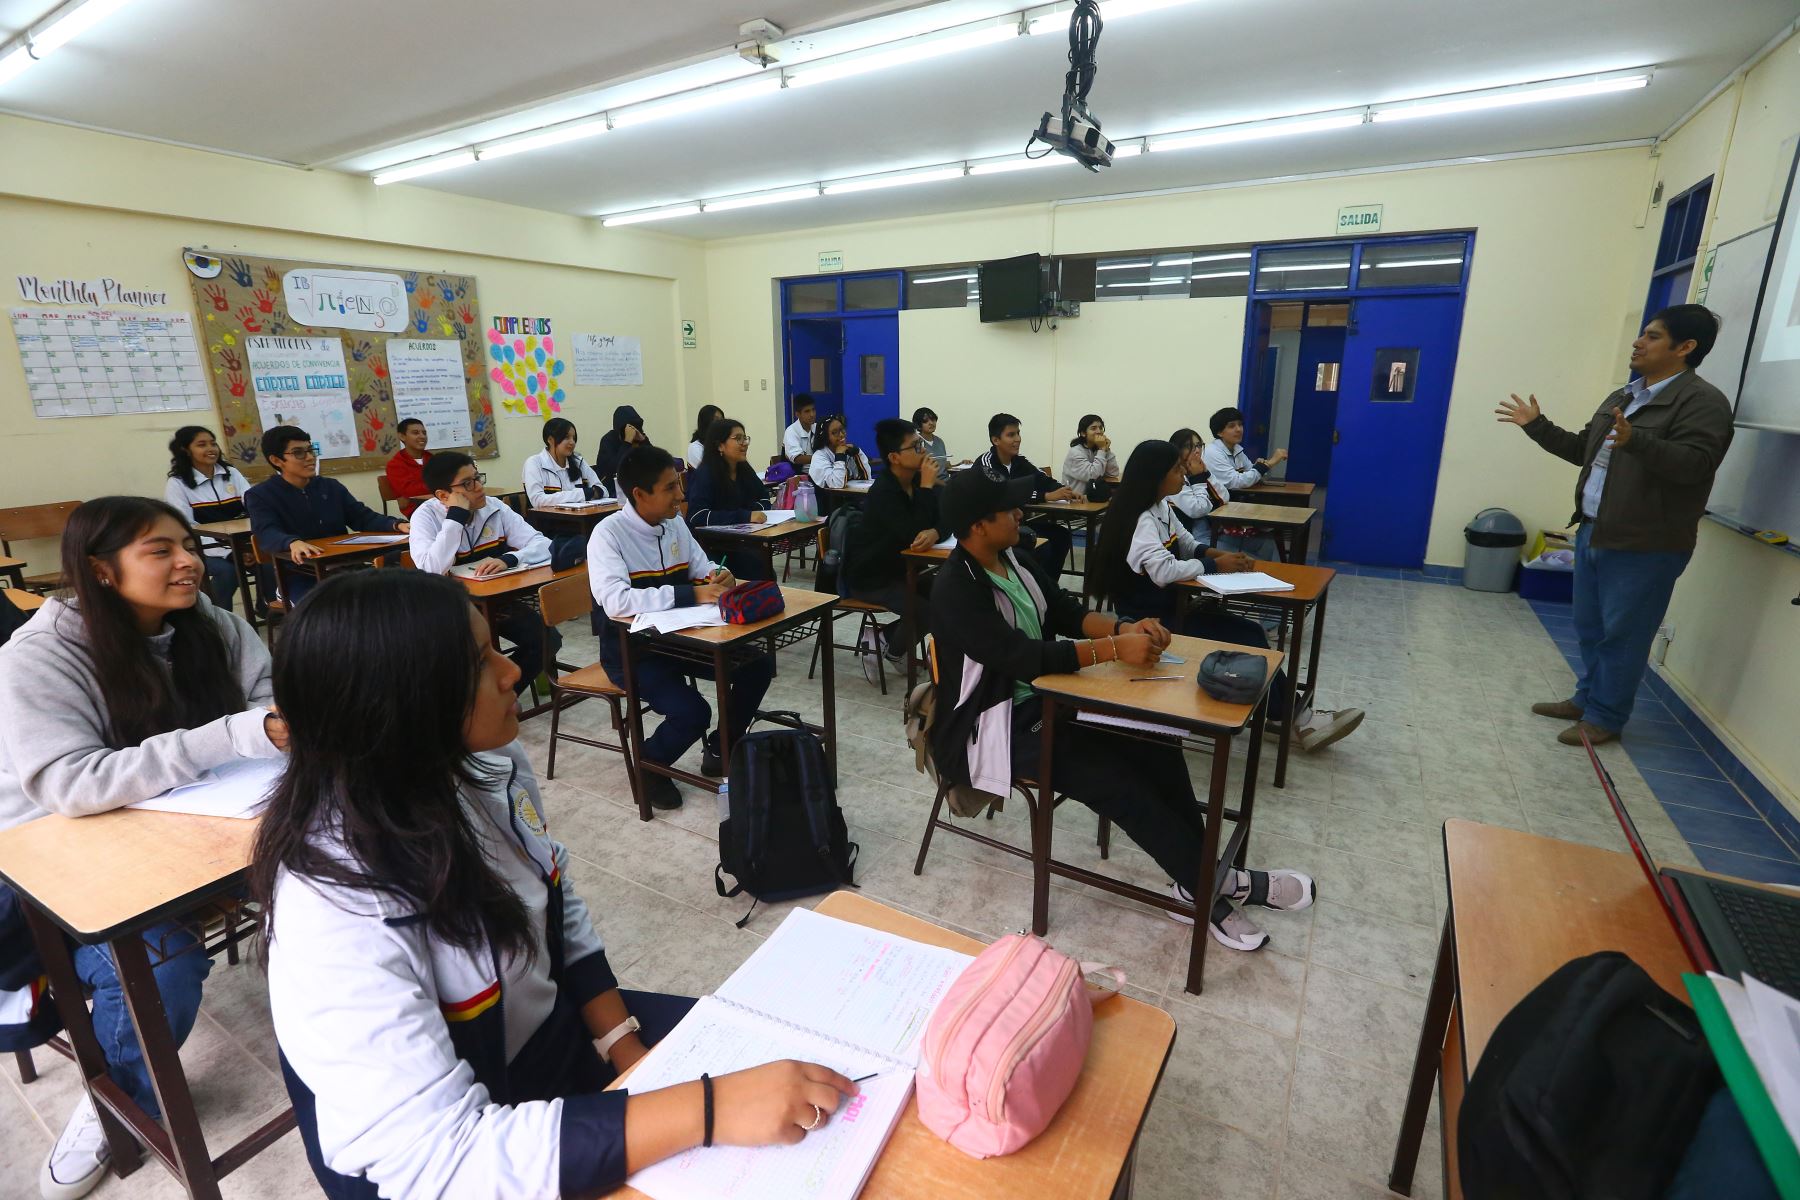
{"points": [[821, 990]]}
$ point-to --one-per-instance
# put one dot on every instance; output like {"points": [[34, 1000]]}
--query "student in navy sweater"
{"points": [[296, 504], [726, 490]]}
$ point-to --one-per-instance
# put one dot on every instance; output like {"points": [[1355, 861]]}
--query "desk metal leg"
{"points": [[1205, 887], [1312, 657], [828, 676], [143, 999], [1043, 819], [244, 570], [78, 1026], [909, 615], [722, 714], [1425, 1064], [1252, 764], [1296, 620], [634, 719]]}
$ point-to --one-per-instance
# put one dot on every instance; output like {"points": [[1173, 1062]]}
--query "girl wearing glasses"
{"points": [[726, 490]]}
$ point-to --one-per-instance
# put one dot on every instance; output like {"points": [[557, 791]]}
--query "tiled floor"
{"points": [[1288, 1074]]}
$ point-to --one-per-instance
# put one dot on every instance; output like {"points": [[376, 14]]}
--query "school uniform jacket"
{"points": [[281, 513], [443, 537], [711, 502], [635, 567], [833, 470], [400, 1039], [215, 497], [543, 478], [1020, 467], [1162, 554], [1083, 464], [1230, 467], [1193, 502], [797, 442]]}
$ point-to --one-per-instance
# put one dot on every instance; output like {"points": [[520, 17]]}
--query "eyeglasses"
{"points": [[473, 481], [919, 448], [309, 452], [742, 439]]}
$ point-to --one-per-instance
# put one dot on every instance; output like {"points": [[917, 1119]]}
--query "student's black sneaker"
{"points": [[893, 644], [710, 764], [660, 791]]}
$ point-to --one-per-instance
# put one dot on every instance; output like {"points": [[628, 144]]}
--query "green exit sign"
{"points": [[1359, 218]]}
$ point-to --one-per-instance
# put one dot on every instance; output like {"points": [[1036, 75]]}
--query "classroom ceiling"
{"points": [[344, 84]]}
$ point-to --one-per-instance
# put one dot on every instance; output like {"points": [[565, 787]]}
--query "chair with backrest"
{"points": [[276, 608], [566, 600], [834, 542], [33, 522]]}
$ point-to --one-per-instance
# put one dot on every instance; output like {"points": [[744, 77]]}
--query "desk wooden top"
{"points": [[762, 533], [1523, 905], [1080, 507], [104, 875], [341, 547], [237, 527], [7, 563], [575, 514], [847, 490], [1280, 487], [1182, 703], [931, 554], [1262, 514], [1309, 583], [800, 604], [1082, 1151], [23, 600], [518, 583]]}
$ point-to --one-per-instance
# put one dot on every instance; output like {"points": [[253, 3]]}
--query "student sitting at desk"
{"points": [[901, 513], [643, 559], [994, 610], [1048, 541], [134, 685], [203, 488], [925, 421], [697, 443], [1232, 470], [557, 468], [726, 490], [627, 431], [1144, 552], [459, 525], [1089, 469], [297, 503], [446, 1014], [1197, 496], [800, 439], [405, 469], [836, 462]]}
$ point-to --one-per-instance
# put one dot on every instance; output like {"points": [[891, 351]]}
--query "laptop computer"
{"points": [[1728, 927]]}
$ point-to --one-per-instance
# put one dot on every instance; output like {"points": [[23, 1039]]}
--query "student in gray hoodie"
{"points": [[131, 686]]}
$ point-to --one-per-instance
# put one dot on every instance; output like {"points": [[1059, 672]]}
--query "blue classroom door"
{"points": [[814, 365], [1393, 402], [871, 378], [1315, 404]]}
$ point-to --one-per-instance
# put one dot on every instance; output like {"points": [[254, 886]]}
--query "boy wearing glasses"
{"points": [[900, 513], [459, 527], [297, 503]]}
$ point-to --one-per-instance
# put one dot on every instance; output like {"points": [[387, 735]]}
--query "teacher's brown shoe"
{"points": [[1595, 735], [1563, 710]]}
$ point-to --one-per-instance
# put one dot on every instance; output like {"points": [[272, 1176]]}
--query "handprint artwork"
{"points": [[527, 372]]}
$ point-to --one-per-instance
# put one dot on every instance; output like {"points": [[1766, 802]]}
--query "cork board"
{"points": [[252, 307]]}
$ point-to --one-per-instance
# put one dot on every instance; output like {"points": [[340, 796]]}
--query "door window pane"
{"points": [[874, 374], [1325, 377], [1413, 264], [818, 375], [879, 291], [1303, 269], [945, 287], [813, 297], [1396, 374]]}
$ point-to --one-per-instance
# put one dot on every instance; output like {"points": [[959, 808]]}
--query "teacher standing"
{"points": [[1647, 460]]}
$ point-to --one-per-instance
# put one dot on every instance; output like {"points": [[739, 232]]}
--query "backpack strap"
{"points": [[810, 759]]}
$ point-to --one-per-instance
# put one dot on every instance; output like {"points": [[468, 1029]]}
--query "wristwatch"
{"points": [[617, 1034]]}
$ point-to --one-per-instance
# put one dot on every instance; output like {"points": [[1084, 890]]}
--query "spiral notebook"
{"points": [[821, 990]]}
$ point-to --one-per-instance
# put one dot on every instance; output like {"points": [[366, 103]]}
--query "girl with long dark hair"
{"points": [[127, 685], [1144, 552], [1197, 496], [445, 1010], [203, 487], [557, 471], [1090, 469], [697, 442], [726, 490], [836, 462]]}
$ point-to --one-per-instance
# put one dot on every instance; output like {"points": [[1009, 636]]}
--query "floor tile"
{"points": [[1742, 835], [1232, 1073], [1746, 866], [1386, 951], [1182, 1156], [1715, 795], [1345, 1113], [1678, 760], [1361, 1020]]}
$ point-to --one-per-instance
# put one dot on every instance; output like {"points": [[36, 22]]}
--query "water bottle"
{"points": [[806, 505]]}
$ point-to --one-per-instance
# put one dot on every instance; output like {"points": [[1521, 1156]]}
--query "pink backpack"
{"points": [[1006, 1045]]}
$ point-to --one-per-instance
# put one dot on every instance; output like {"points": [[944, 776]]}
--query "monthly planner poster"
{"points": [[367, 311], [99, 362]]}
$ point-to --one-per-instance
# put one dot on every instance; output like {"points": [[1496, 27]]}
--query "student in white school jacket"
{"points": [[203, 487], [800, 438], [444, 1008], [1231, 469], [836, 462], [557, 468]]}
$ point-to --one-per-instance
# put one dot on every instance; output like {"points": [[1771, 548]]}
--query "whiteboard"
{"points": [[1769, 397], [1758, 485]]}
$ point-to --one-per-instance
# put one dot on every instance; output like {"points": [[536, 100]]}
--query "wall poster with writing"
{"points": [[323, 340]]}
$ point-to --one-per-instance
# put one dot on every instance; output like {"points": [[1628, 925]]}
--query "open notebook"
{"points": [[820, 990]]}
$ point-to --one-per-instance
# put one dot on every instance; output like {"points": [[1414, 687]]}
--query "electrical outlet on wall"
{"points": [[746, 385], [765, 385]]}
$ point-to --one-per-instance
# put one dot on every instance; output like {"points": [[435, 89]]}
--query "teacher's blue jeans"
{"points": [[178, 978], [1620, 598]]}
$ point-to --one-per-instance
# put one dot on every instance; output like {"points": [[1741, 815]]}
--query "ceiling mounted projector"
{"points": [[1076, 132]]}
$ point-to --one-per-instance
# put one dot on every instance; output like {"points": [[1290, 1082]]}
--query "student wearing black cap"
{"points": [[995, 611]]}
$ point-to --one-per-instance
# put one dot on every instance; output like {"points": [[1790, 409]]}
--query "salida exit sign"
{"points": [[1359, 218]]}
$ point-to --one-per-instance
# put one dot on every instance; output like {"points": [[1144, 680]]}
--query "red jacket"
{"points": [[407, 478]]}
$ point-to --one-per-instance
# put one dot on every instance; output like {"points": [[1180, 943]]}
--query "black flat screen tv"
{"points": [[1012, 289]]}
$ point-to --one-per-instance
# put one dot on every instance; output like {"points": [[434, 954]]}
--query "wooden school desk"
{"points": [[555, 521], [1291, 527], [721, 647], [830, 497], [13, 569], [918, 562], [765, 540], [339, 551], [1108, 688], [1312, 586], [1068, 513], [104, 879], [23, 600], [1520, 907], [236, 534], [490, 594], [1277, 491], [1088, 1151]]}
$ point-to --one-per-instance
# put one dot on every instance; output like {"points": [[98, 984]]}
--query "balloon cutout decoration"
{"points": [[527, 373]]}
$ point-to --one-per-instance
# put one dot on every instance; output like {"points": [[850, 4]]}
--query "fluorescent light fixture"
{"points": [[1327, 266], [1004, 166], [1508, 97], [1221, 275], [1168, 279], [1249, 131], [761, 198], [1416, 262], [555, 135], [964, 276], [71, 22], [651, 214], [425, 166], [15, 62], [1056, 17], [697, 100], [1200, 258], [901, 53], [870, 183], [1129, 264]]}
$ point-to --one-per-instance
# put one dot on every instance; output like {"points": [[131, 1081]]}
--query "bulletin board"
{"points": [[288, 324]]}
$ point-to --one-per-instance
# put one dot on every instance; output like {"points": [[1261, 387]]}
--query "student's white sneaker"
{"points": [[1232, 929], [1280, 888], [868, 647], [1324, 726], [78, 1161]]}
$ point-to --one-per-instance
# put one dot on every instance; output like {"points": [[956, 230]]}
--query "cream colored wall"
{"points": [[93, 204], [1735, 653], [1554, 288]]}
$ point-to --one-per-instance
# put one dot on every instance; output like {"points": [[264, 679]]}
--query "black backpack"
{"points": [[784, 835], [840, 530], [1590, 1089]]}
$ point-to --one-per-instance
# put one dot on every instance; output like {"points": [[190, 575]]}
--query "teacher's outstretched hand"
{"points": [[1519, 412]]}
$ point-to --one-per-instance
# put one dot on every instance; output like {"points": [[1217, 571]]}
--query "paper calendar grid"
{"points": [[101, 362]]}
